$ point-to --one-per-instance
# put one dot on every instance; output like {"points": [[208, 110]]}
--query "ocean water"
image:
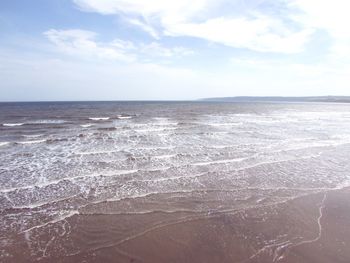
{"points": [[61, 164]]}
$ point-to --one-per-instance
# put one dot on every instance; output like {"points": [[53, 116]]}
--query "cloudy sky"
{"points": [[166, 49]]}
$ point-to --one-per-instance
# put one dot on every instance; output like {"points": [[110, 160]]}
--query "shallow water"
{"points": [[66, 168]]}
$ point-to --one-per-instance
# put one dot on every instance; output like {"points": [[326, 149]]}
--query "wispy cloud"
{"points": [[157, 50], [257, 33], [250, 27], [145, 27], [83, 43], [330, 16]]}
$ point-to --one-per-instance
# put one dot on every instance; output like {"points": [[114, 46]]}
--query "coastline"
{"points": [[310, 228]]}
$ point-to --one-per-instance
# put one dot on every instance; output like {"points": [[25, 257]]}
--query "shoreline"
{"points": [[307, 229]]}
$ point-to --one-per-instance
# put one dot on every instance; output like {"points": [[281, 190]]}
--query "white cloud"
{"points": [[145, 27], [156, 49], [175, 10], [247, 27], [257, 34], [82, 43], [331, 16]]}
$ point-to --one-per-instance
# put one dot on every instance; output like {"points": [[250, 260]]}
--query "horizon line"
{"points": [[176, 100]]}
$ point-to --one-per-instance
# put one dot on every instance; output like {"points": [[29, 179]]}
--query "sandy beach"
{"points": [[313, 228]]}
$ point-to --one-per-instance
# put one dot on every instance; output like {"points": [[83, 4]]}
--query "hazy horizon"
{"points": [[160, 100]]}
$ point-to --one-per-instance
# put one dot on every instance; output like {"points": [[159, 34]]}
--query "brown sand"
{"points": [[313, 228]]}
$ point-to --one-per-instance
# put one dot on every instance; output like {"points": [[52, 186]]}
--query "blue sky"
{"points": [[165, 49]]}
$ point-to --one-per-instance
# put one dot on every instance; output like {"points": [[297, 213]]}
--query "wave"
{"points": [[160, 119], [220, 146], [124, 117], [31, 142], [99, 118], [63, 216], [46, 122], [156, 169], [96, 152], [32, 135], [53, 182], [107, 129], [4, 143], [220, 161], [166, 123], [171, 178], [34, 122], [155, 129], [57, 140], [166, 156], [12, 124], [156, 147], [306, 145], [86, 125], [221, 124]]}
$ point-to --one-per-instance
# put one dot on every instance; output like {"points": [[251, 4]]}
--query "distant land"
{"points": [[339, 99]]}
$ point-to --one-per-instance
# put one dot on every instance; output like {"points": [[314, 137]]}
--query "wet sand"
{"points": [[312, 228]]}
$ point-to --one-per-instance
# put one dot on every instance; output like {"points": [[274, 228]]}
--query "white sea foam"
{"points": [[3, 143], [96, 152], [156, 147], [39, 204], [31, 142], [46, 122], [12, 124], [99, 118], [161, 119], [32, 135], [306, 145], [48, 183], [166, 123], [221, 146], [63, 215], [236, 160], [222, 124], [86, 125], [155, 129], [122, 117], [166, 156]]}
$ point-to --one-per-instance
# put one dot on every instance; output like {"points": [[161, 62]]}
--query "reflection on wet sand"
{"points": [[311, 228]]}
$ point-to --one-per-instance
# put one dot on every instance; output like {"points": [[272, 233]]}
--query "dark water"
{"points": [[76, 178]]}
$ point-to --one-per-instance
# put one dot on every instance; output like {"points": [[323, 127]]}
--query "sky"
{"points": [[172, 50]]}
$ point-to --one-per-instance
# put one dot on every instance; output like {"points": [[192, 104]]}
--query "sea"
{"points": [[79, 177]]}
